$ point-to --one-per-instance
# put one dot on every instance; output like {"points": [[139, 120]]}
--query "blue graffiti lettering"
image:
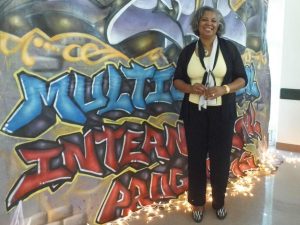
{"points": [[97, 92], [161, 95], [252, 88], [72, 95], [116, 100], [141, 75], [36, 96]]}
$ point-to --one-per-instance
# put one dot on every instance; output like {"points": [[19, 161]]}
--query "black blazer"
{"points": [[235, 69]]}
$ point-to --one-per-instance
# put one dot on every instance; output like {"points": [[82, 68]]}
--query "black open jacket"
{"points": [[235, 69]]}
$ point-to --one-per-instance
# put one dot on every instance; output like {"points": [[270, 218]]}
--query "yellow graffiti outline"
{"points": [[156, 121], [26, 40], [236, 4], [39, 39], [198, 4], [250, 55], [4, 37]]}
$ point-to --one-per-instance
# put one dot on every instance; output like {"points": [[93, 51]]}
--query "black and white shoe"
{"points": [[197, 215], [221, 213]]}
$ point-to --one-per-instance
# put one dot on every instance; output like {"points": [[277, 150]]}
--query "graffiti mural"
{"points": [[89, 114]]}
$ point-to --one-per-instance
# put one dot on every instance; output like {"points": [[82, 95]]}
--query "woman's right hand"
{"points": [[198, 89]]}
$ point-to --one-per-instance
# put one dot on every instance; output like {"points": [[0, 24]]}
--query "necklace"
{"points": [[206, 52]]}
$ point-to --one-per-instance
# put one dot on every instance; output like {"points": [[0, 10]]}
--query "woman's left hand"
{"points": [[214, 92]]}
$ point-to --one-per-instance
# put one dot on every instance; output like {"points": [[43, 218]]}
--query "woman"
{"points": [[209, 72]]}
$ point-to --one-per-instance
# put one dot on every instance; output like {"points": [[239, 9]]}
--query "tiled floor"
{"points": [[276, 201]]}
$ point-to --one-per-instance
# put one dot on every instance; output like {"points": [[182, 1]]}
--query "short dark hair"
{"points": [[198, 15]]}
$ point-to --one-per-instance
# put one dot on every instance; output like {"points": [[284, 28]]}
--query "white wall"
{"points": [[289, 110], [275, 26]]}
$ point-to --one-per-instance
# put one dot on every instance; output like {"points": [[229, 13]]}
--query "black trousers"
{"points": [[207, 134]]}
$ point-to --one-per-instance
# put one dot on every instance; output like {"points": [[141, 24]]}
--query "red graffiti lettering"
{"points": [[109, 137], [101, 152], [74, 156], [140, 192], [119, 197], [140, 195], [239, 166], [131, 153], [160, 187], [246, 128], [40, 176], [176, 138], [178, 181], [155, 141]]}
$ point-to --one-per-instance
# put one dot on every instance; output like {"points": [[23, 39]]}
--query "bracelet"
{"points": [[227, 88]]}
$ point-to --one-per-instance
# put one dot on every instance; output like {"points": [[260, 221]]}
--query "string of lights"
{"points": [[243, 185]]}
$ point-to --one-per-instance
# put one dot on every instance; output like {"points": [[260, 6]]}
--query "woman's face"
{"points": [[208, 25]]}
